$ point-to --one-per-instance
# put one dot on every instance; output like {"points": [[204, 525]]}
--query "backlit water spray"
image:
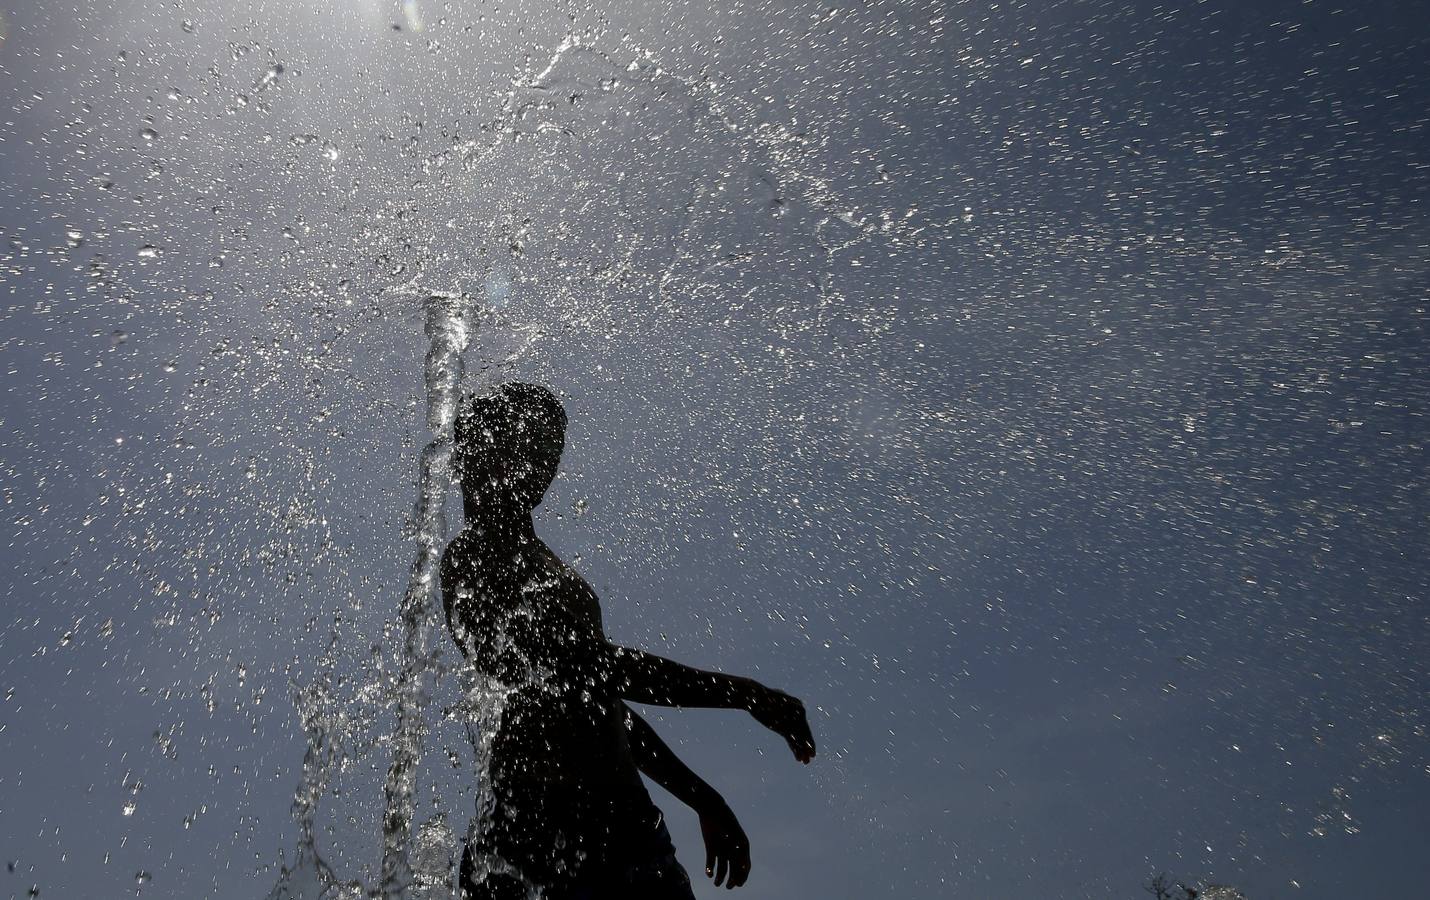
{"points": [[1015, 405], [447, 333], [447, 325]]}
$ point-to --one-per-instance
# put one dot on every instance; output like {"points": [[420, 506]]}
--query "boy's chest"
{"points": [[537, 597], [566, 596]]}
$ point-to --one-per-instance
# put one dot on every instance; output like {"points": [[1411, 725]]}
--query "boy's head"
{"points": [[508, 445]]}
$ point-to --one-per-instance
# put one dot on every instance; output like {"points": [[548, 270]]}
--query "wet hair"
{"points": [[509, 443]]}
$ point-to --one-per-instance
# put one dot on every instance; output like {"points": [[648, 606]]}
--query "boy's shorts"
{"points": [[645, 870]]}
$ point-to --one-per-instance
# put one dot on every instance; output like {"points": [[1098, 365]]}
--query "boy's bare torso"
{"points": [[561, 761]]}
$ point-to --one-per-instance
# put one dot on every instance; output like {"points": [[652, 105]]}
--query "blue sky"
{"points": [[1036, 390]]}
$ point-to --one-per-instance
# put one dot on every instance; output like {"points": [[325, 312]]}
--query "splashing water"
{"points": [[424, 869], [309, 877], [1050, 420]]}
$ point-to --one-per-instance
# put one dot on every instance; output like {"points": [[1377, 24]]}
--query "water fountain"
{"points": [[1035, 390]]}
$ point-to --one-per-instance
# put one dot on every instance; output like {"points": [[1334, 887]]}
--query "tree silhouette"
{"points": [[1163, 888]]}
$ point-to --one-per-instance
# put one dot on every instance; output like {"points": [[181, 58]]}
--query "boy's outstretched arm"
{"points": [[727, 850], [647, 678]]}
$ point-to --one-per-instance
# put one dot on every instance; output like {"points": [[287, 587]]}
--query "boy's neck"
{"points": [[514, 524]]}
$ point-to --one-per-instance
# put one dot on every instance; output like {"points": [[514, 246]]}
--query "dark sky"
{"points": [[1037, 390]]}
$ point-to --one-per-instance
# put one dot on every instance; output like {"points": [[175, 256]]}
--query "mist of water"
{"points": [[1052, 421]]}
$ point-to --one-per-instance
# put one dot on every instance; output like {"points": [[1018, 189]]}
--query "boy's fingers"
{"points": [[741, 871]]}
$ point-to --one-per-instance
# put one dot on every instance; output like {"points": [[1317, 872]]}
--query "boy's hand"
{"points": [[727, 850], [784, 715]]}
